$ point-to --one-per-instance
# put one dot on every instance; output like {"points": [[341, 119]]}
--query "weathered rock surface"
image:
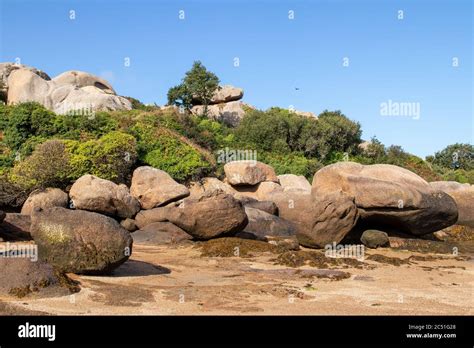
{"points": [[79, 241], [248, 172], [20, 276], [230, 113], [318, 220], [72, 91], [15, 227], [262, 191], [209, 216], [262, 225], [266, 206], [103, 196], [83, 79], [154, 187], [47, 198], [463, 194], [374, 239], [388, 196], [291, 182], [160, 233], [129, 224]]}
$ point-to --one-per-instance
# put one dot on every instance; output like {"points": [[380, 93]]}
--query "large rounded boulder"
{"points": [[319, 221], [248, 172], [154, 187], [75, 241], [46, 198], [208, 216], [83, 79], [103, 196], [463, 194], [388, 196]]}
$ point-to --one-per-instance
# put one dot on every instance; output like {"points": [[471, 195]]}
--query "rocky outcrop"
{"points": [[463, 194], [82, 79], [230, 113], [103, 196], [388, 196], [47, 198], [76, 241], [262, 191], [248, 173], [154, 187], [225, 105], [72, 91]]}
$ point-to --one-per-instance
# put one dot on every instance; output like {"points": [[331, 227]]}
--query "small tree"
{"points": [[197, 87]]}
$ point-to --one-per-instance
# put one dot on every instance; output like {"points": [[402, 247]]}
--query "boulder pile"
{"points": [[91, 229]]}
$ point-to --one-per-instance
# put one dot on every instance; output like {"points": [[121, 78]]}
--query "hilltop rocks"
{"points": [[103, 196], [225, 105], [224, 94], [72, 91], [291, 182], [154, 187], [7, 68], [463, 194], [78, 241], [47, 198], [83, 79], [230, 113], [388, 196], [208, 216], [248, 172]]}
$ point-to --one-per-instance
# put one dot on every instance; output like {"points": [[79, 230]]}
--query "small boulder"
{"points": [[47, 198], [103, 196], [129, 224], [160, 233], [154, 187], [78, 241], [248, 172], [374, 239]]}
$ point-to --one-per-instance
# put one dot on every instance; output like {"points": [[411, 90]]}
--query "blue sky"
{"points": [[407, 60]]}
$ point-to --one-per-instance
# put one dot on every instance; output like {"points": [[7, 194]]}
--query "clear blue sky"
{"points": [[407, 60]]}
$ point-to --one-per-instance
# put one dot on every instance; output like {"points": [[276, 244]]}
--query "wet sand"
{"points": [[177, 280]]}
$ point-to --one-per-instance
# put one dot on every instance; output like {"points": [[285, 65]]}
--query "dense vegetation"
{"points": [[39, 148]]}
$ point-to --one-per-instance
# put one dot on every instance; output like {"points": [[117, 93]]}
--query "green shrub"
{"points": [[162, 149], [56, 163], [456, 156], [291, 164], [48, 166], [25, 120]]}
